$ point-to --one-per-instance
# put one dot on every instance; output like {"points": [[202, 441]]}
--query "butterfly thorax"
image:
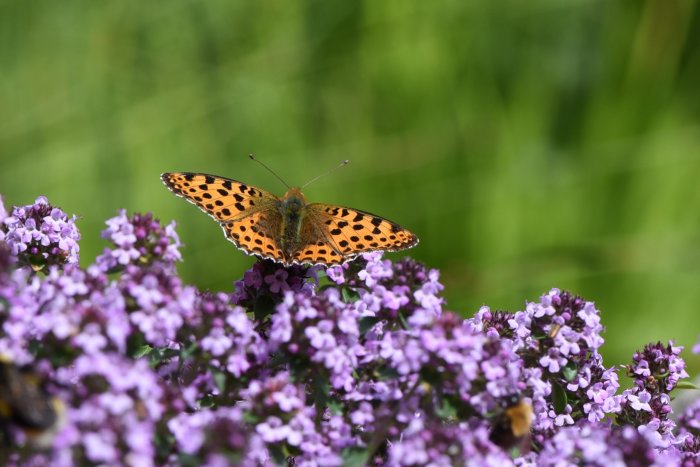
{"points": [[292, 209]]}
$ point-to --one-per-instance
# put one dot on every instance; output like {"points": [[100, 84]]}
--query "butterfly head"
{"points": [[293, 202]]}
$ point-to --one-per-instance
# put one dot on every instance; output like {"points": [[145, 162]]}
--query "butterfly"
{"points": [[287, 230]]}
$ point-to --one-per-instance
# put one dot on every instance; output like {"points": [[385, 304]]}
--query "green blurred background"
{"points": [[528, 144]]}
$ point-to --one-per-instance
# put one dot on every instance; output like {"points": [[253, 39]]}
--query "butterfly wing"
{"points": [[254, 234], [222, 198], [248, 215], [342, 233]]}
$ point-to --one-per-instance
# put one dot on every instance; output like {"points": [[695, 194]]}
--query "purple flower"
{"points": [[601, 396], [227, 353], [211, 430], [217, 342], [405, 290], [560, 334], [267, 281], [474, 371], [367, 367], [159, 303], [647, 405], [139, 239], [640, 402], [321, 331], [375, 270], [425, 443], [689, 420], [598, 444], [40, 235], [285, 420], [337, 273], [114, 404], [7, 261], [3, 215], [658, 367], [277, 281]]}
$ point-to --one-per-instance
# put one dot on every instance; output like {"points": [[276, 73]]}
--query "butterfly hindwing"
{"points": [[222, 198], [254, 234], [318, 246], [352, 231]]}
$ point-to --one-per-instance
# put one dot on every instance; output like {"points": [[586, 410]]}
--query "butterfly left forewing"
{"points": [[222, 198], [351, 231]]}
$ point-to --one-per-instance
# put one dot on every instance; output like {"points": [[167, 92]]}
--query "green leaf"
{"points": [[446, 410], [431, 375], [188, 460], [143, 351], [206, 402], [188, 351], [220, 380], [559, 398], [354, 457], [37, 264], [686, 385], [278, 455], [322, 387], [264, 306], [335, 406], [349, 295], [387, 373], [325, 287], [159, 355], [569, 372], [367, 323], [402, 320], [250, 418]]}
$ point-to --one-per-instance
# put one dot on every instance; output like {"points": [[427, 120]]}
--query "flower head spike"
{"points": [[139, 239], [41, 235]]}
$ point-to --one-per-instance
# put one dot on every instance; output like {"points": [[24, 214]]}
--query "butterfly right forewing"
{"points": [[248, 215], [222, 198]]}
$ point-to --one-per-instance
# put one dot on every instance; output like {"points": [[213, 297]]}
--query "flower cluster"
{"points": [[263, 286], [352, 365], [446, 445], [596, 444], [319, 335], [138, 240], [404, 291], [39, 234], [656, 370], [557, 340]]}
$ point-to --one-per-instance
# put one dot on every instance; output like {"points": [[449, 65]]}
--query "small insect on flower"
{"points": [[287, 230], [25, 405], [511, 427]]}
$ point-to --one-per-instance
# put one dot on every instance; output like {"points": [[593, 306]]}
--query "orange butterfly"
{"points": [[287, 229]]}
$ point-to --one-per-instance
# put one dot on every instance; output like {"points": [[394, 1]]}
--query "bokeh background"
{"points": [[529, 144]]}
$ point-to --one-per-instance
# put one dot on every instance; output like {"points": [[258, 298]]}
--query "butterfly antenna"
{"points": [[345, 162], [269, 170]]}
